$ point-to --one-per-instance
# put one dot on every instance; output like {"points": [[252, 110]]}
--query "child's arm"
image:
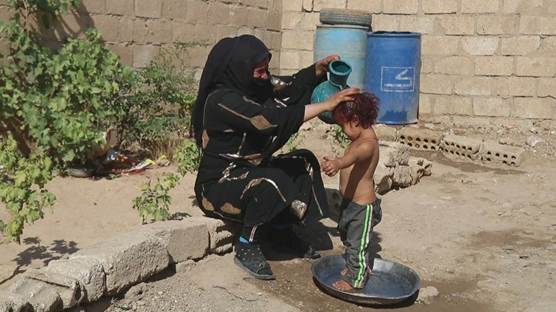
{"points": [[354, 154]]}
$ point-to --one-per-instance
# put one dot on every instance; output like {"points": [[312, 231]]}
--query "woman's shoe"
{"points": [[250, 258]]}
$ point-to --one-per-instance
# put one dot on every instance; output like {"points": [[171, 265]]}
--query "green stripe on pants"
{"points": [[363, 247]]}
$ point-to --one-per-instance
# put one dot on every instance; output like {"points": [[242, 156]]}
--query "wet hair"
{"points": [[363, 108]]}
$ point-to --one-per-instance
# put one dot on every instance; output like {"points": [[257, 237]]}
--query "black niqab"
{"points": [[230, 64]]}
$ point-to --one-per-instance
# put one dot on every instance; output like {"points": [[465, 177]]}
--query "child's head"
{"points": [[357, 115]]}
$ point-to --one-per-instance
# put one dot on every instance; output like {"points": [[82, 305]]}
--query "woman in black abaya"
{"points": [[240, 120]]}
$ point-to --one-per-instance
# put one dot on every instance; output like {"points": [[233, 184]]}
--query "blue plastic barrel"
{"points": [[392, 73], [348, 41]]}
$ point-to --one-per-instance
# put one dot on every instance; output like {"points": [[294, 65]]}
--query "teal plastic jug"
{"points": [[338, 74]]}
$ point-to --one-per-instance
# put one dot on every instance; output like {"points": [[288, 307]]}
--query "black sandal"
{"points": [[250, 258]]}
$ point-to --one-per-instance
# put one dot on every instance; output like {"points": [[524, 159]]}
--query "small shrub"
{"points": [[154, 202], [187, 157]]}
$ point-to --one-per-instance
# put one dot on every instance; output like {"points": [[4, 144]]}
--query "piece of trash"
{"points": [[140, 167], [162, 161], [534, 140]]}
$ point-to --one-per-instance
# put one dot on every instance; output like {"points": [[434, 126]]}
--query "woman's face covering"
{"points": [[260, 71]]}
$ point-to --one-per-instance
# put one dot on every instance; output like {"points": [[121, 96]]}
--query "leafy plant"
{"points": [[154, 202], [187, 157], [22, 187], [339, 136]]}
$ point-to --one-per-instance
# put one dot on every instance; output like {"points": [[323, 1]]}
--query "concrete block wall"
{"points": [[137, 30], [486, 59]]}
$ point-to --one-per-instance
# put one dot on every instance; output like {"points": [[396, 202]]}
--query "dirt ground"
{"points": [[484, 238]]}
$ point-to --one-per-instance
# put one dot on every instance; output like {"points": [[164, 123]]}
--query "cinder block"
{"points": [[371, 6], [458, 25], [386, 133], [455, 65], [497, 25], [452, 105], [475, 86], [494, 65], [461, 147], [536, 66], [439, 45], [439, 6], [534, 108], [401, 7], [428, 64], [522, 86], [292, 5], [421, 24], [221, 232], [128, 259], [144, 54], [436, 84], [386, 22], [522, 6], [120, 7], [41, 296], [257, 18], [197, 12], [300, 21], [219, 14], [537, 25], [107, 25], [420, 139], [522, 45], [187, 239], [546, 87], [480, 45], [425, 104], [298, 40], [328, 4], [148, 8], [92, 6], [175, 9], [494, 153], [492, 107], [479, 6], [87, 271]]}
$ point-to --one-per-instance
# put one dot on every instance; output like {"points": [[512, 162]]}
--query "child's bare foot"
{"points": [[341, 284]]}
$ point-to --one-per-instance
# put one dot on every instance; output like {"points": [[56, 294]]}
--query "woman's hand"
{"points": [[321, 67], [342, 96]]}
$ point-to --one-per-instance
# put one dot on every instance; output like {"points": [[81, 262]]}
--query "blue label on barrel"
{"points": [[397, 79]]}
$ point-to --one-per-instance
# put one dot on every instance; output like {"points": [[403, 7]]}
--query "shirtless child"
{"points": [[360, 209]]}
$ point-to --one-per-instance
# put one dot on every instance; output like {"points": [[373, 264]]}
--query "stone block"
{"points": [[92, 6], [497, 25], [148, 8], [401, 7], [533, 108], [386, 133], [536, 66], [68, 289], [420, 139], [522, 6], [461, 147], [494, 153], [439, 6], [455, 65], [480, 6], [521, 45], [537, 25], [41, 296], [458, 25], [128, 259], [292, 5], [480, 45], [436, 84], [421, 24], [144, 54], [120, 7], [274, 21], [300, 21], [452, 105], [439, 45], [371, 6], [491, 107], [221, 232], [197, 12], [298, 40], [328, 4], [520, 86], [176, 9], [10, 302], [425, 104], [257, 18], [494, 65], [263, 4], [219, 13], [385, 22], [428, 64], [187, 239], [108, 26], [475, 86], [546, 87], [88, 272]]}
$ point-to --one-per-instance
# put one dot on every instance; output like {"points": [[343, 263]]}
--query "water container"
{"points": [[392, 73], [338, 74], [348, 41]]}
